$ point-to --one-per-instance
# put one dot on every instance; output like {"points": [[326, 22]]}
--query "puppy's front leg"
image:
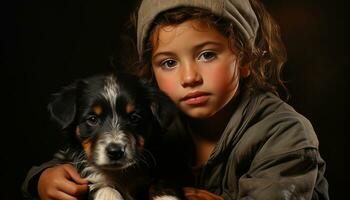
{"points": [[107, 193]]}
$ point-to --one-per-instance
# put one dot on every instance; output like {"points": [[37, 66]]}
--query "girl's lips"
{"points": [[196, 98]]}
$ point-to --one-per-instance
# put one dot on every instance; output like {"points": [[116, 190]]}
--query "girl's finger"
{"points": [[73, 188], [61, 195], [74, 175]]}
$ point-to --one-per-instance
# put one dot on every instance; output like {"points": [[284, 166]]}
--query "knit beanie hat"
{"points": [[239, 11]]}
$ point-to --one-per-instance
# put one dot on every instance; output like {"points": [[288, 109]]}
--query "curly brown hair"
{"points": [[265, 59]]}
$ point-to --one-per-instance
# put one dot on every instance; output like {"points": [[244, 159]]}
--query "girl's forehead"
{"points": [[193, 24], [189, 32]]}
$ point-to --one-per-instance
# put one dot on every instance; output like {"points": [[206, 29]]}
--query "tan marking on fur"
{"points": [[77, 131], [97, 109], [129, 108], [87, 147], [85, 143], [140, 142]]}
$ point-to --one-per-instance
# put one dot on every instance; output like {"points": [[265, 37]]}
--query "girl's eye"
{"points": [[168, 64], [92, 120], [207, 56]]}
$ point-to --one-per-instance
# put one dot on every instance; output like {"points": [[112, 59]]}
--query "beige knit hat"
{"points": [[239, 11]]}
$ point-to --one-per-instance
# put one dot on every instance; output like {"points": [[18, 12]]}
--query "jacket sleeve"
{"points": [[29, 186], [284, 161], [292, 175], [287, 164]]}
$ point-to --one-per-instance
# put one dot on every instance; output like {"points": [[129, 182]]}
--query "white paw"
{"points": [[165, 197], [107, 193]]}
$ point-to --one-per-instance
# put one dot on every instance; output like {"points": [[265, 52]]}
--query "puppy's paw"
{"points": [[107, 193]]}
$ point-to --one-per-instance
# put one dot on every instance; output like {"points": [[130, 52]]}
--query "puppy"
{"points": [[113, 123]]}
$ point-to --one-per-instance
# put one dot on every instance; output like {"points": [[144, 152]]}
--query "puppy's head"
{"points": [[111, 117]]}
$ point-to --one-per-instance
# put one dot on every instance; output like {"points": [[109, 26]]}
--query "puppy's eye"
{"points": [[134, 117], [92, 120]]}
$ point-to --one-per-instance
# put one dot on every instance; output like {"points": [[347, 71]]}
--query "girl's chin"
{"points": [[199, 113]]}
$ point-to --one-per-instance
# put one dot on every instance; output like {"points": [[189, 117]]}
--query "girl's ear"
{"points": [[62, 107], [244, 71]]}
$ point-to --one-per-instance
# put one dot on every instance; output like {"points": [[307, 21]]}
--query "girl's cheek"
{"points": [[165, 86], [224, 79], [168, 86]]}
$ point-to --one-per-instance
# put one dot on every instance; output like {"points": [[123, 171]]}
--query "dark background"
{"points": [[48, 44]]}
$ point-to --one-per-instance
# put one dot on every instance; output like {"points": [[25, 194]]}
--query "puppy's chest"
{"points": [[127, 180]]}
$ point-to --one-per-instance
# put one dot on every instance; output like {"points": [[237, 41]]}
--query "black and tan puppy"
{"points": [[114, 124]]}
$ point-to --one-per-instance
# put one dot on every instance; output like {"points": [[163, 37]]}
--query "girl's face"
{"points": [[194, 65]]}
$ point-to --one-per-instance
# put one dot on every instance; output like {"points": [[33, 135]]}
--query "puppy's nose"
{"points": [[115, 151]]}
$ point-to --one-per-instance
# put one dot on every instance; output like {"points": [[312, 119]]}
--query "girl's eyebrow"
{"points": [[195, 48], [163, 53], [201, 45]]}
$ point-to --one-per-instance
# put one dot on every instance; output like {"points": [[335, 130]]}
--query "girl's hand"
{"points": [[197, 194], [62, 182]]}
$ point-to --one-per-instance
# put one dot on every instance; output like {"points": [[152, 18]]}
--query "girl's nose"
{"points": [[190, 76]]}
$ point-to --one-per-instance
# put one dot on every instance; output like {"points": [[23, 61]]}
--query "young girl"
{"points": [[220, 62]]}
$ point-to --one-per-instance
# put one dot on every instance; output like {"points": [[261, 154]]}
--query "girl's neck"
{"points": [[206, 133], [211, 129]]}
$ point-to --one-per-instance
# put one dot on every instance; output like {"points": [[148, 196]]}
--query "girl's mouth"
{"points": [[196, 98]]}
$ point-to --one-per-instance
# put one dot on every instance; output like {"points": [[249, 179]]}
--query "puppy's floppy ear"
{"points": [[63, 105], [162, 107]]}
